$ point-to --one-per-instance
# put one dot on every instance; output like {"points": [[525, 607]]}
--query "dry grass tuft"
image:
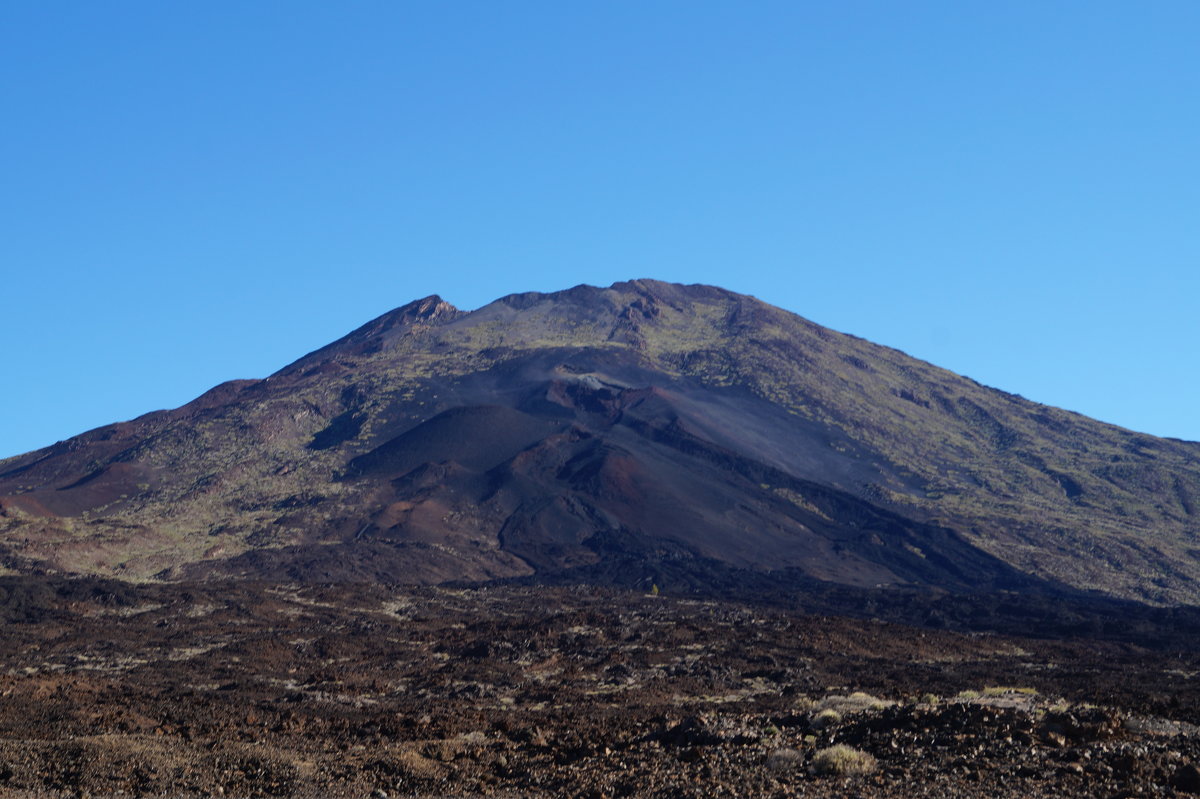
{"points": [[1001, 690], [825, 718], [843, 761], [854, 703], [784, 759]]}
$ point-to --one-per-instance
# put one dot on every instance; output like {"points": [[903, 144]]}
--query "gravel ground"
{"points": [[242, 690]]}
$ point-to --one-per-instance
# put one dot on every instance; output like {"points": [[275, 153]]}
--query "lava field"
{"points": [[252, 689]]}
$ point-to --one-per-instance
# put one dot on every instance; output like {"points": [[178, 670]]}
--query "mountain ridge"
{"points": [[687, 390]]}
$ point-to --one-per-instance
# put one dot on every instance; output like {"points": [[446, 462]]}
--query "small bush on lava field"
{"points": [[825, 718], [856, 702], [1001, 690], [842, 761], [784, 759]]}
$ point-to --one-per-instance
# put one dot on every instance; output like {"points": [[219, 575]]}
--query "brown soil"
{"points": [[277, 690]]}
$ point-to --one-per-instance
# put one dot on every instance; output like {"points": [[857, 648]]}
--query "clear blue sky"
{"points": [[194, 192]]}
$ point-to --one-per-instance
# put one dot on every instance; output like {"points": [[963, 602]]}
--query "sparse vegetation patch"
{"points": [[843, 761]]}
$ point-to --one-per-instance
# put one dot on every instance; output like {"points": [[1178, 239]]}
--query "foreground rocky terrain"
{"points": [[254, 689]]}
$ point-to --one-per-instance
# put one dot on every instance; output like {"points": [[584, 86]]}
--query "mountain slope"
{"points": [[586, 430]]}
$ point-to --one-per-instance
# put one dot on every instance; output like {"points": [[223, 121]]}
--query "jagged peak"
{"points": [[428, 309], [431, 310]]}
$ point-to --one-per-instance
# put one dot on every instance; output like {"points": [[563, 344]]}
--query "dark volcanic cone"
{"points": [[646, 431]]}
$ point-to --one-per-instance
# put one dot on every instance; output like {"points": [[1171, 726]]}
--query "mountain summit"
{"points": [[642, 432]]}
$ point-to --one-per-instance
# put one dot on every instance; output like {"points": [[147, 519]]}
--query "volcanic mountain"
{"points": [[645, 432]]}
